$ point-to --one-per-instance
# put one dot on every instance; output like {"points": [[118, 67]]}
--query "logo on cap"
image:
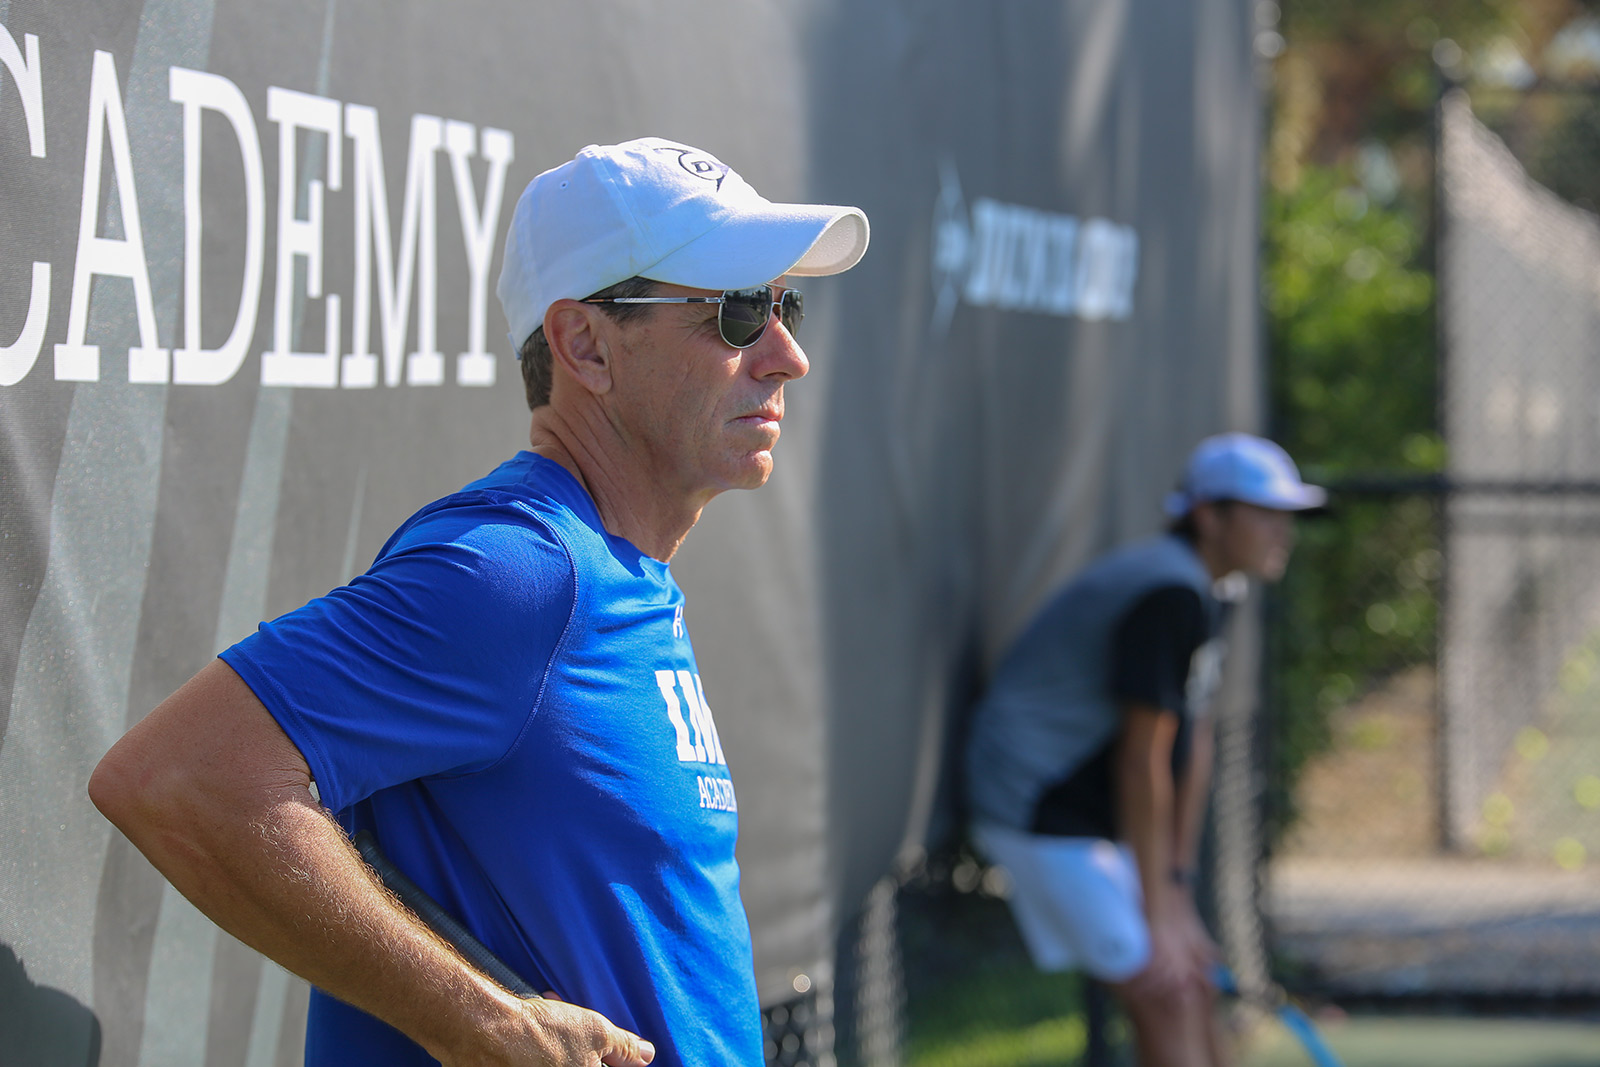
{"points": [[701, 165]]}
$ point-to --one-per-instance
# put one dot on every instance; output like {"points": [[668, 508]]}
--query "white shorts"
{"points": [[1076, 900]]}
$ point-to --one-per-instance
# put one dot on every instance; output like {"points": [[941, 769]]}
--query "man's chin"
{"points": [[755, 471], [1272, 570]]}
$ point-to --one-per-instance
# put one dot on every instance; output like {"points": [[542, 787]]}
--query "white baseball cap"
{"points": [[660, 210], [1241, 466]]}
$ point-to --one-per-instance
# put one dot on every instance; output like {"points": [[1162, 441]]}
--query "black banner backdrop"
{"points": [[247, 255]]}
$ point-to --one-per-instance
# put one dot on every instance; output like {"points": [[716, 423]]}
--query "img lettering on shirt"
{"points": [[696, 735]]}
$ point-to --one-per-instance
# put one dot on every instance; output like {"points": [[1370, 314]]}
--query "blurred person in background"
{"points": [[1089, 763]]}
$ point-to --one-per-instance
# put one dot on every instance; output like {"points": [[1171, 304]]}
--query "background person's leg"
{"points": [[1171, 1028]]}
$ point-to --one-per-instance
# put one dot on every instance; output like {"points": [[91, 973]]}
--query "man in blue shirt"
{"points": [[508, 698]]}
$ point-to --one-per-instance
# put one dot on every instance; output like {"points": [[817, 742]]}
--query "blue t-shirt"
{"points": [[509, 700]]}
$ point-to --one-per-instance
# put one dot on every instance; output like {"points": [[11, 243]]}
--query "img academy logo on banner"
{"points": [[394, 276], [1019, 258]]}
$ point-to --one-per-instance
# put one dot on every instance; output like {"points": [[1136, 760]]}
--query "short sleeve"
{"points": [[428, 664], [1152, 646]]}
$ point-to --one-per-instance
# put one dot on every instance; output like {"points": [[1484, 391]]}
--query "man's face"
{"points": [[1256, 540], [701, 414]]}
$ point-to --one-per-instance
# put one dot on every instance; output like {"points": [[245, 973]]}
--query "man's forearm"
{"points": [[214, 794], [1145, 798], [253, 850]]}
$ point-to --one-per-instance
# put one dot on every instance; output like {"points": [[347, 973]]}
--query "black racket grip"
{"points": [[440, 921]]}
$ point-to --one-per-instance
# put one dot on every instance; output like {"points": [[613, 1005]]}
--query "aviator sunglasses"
{"points": [[743, 315]]}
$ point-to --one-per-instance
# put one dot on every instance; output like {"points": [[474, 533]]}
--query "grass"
{"points": [[998, 1017], [973, 997]]}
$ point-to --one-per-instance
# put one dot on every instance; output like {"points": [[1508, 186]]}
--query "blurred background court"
{"points": [[1418, 803]]}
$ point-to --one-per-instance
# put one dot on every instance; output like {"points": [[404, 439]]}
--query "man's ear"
{"points": [[574, 332], [1207, 521]]}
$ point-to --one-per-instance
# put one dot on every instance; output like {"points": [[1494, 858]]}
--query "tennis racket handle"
{"points": [[440, 921]]}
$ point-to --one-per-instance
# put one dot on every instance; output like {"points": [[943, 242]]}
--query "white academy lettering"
{"points": [[703, 746], [18, 358], [417, 256], [195, 90], [77, 360], [311, 131], [478, 225], [418, 237], [717, 794], [302, 238]]}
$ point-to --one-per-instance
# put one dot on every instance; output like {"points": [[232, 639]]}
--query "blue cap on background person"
{"points": [[1241, 466]]}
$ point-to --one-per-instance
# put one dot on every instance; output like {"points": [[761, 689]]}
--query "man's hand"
{"points": [[1199, 946], [615, 1046], [550, 1033], [1173, 966]]}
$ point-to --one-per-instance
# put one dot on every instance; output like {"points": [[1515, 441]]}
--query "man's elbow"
{"points": [[146, 788], [202, 750], [121, 787]]}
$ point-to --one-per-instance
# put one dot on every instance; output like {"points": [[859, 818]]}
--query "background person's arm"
{"points": [[1160, 806], [1146, 823], [1193, 795], [219, 800], [1146, 797]]}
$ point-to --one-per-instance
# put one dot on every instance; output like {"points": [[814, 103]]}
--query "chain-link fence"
{"points": [[799, 1033], [1435, 653]]}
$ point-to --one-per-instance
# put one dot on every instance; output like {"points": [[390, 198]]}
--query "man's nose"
{"points": [[778, 354]]}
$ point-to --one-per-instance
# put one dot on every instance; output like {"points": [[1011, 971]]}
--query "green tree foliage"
{"points": [[1348, 296], [1350, 327]]}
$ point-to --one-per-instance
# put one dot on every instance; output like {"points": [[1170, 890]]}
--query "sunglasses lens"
{"points": [[744, 315], [792, 310]]}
